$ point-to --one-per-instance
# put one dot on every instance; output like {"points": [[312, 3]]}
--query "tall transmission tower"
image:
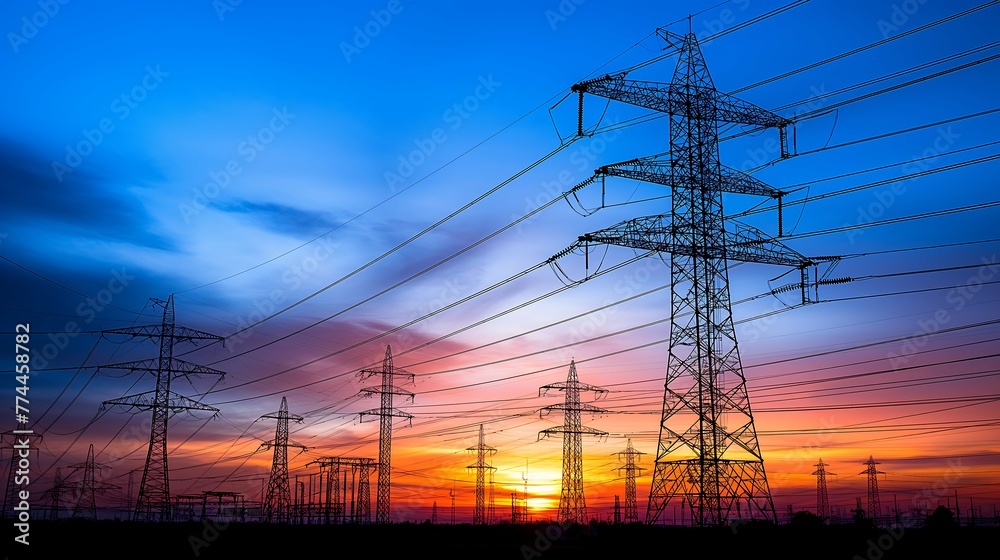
{"points": [[434, 513], [386, 412], [708, 453], [278, 499], [86, 503], [479, 516], [874, 505], [630, 456], [153, 503], [822, 499], [572, 504]]}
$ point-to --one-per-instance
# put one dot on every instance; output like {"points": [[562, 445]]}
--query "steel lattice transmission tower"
{"points": [[88, 487], [572, 505], [479, 516], [278, 499], [822, 499], [630, 456], [708, 453], [153, 503], [386, 412], [874, 505]]}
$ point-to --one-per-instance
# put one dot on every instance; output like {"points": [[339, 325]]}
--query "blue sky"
{"points": [[245, 156]]}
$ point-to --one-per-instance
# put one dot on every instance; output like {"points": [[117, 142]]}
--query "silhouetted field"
{"points": [[113, 539]]}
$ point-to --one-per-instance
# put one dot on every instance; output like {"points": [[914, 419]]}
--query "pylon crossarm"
{"points": [[147, 400], [178, 333], [176, 367], [692, 101]]}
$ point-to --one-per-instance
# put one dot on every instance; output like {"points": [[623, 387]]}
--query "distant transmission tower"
{"points": [[278, 499], [434, 513], [86, 503], [153, 503], [385, 412], [524, 508], [874, 505], [55, 493], [479, 517], [452, 494], [708, 454], [630, 456], [572, 505], [822, 500]]}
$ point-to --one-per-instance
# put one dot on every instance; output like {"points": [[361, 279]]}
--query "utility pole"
{"points": [[153, 503], [278, 499], [479, 516], [572, 504], [386, 412], [708, 451]]}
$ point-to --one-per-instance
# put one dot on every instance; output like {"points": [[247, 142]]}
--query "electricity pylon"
{"points": [[822, 500], [874, 505], [452, 494], [479, 516], [86, 502], [153, 503], [708, 453], [55, 493], [278, 499], [630, 456], [572, 504], [386, 412]]}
